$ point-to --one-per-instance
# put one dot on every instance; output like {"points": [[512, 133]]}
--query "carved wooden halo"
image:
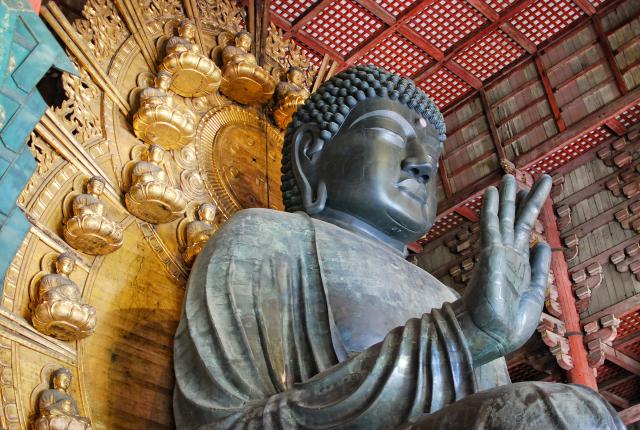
{"points": [[238, 155]]}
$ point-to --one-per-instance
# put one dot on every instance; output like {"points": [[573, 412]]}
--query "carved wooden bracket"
{"points": [[584, 281], [616, 154], [599, 333], [628, 260], [552, 331]]}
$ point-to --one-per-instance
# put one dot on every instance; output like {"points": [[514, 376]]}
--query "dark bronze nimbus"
{"points": [[313, 319]]}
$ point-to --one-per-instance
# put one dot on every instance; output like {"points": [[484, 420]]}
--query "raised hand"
{"points": [[501, 305]]}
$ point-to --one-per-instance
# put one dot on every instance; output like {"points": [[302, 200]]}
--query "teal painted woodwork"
{"points": [[27, 51]]}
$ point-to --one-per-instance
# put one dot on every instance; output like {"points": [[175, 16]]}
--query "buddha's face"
{"points": [[295, 76], [381, 168], [156, 154], [163, 81], [65, 264], [95, 186], [61, 380], [243, 40], [207, 212], [187, 30]]}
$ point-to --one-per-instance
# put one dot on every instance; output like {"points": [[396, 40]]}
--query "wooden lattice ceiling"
{"points": [[514, 78]]}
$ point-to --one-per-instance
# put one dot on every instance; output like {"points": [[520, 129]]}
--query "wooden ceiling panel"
{"points": [[395, 7], [342, 26], [499, 5], [545, 18], [571, 151], [446, 22], [291, 10], [444, 87], [489, 55], [397, 54]]}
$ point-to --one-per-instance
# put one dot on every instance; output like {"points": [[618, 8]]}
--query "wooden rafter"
{"points": [[630, 415], [608, 53], [621, 359], [551, 98]]}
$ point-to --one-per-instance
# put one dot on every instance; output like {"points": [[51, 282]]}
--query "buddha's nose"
{"points": [[420, 168]]}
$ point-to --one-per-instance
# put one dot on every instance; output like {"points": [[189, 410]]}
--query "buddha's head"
{"points": [[162, 80], [295, 75], [95, 186], [243, 40], [155, 153], [364, 149], [187, 29], [65, 264], [61, 378], [207, 212]]}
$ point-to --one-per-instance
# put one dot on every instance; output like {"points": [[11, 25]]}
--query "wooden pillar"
{"points": [[581, 373]]}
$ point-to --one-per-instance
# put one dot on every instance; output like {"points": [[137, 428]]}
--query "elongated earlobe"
{"points": [[307, 146]]}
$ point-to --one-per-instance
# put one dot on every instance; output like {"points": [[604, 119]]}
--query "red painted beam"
{"points": [[551, 98], [608, 53], [581, 372]]}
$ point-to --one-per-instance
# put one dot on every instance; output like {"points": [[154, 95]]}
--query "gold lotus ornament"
{"points": [[89, 230], [60, 312], [57, 410], [291, 94], [151, 198], [198, 232], [193, 74], [160, 119], [242, 79]]}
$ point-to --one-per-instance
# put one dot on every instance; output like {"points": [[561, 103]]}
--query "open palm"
{"points": [[501, 305]]}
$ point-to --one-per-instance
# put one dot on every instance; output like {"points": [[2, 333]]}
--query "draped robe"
{"points": [[290, 322]]}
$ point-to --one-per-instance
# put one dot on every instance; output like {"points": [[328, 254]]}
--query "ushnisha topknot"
{"points": [[329, 106]]}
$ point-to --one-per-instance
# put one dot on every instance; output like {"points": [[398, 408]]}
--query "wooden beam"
{"points": [[516, 35], [309, 14], [616, 126], [581, 373], [620, 309], [512, 11], [608, 53], [614, 399], [586, 6], [398, 25], [378, 11], [551, 98], [604, 256], [622, 360], [446, 185], [495, 136], [462, 73], [630, 415], [585, 125], [468, 213]]}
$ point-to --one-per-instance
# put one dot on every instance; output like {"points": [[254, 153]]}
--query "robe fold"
{"points": [[291, 322]]}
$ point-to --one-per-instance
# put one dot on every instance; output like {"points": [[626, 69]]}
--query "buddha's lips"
{"points": [[414, 189]]}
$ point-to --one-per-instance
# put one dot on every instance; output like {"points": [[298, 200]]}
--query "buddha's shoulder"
{"points": [[267, 224]]}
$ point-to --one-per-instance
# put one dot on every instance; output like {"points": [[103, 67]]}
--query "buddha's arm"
{"points": [[418, 368]]}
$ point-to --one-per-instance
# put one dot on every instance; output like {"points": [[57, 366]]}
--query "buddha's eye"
{"points": [[390, 136]]}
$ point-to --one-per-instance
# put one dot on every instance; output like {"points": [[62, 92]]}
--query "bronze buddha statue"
{"points": [[89, 230], [243, 80], [290, 95], [160, 119], [192, 73], [57, 410], [59, 311], [150, 197], [312, 318]]}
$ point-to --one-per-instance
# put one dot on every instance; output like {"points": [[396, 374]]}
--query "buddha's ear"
{"points": [[307, 146]]}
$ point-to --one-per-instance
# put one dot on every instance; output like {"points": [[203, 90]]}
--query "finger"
{"points": [[507, 208], [489, 225], [521, 198], [532, 300], [531, 209]]}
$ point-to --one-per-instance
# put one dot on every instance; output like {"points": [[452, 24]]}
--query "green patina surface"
{"points": [[27, 51]]}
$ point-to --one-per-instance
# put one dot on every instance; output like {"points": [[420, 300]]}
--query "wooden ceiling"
{"points": [[536, 82]]}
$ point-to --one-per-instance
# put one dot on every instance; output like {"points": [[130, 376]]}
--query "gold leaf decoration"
{"points": [[155, 9], [79, 112], [222, 14], [102, 28], [287, 54]]}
